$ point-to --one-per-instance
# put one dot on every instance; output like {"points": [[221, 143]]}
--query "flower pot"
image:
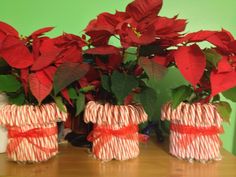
{"points": [[115, 134], [32, 131], [194, 131], [3, 139], [3, 130]]}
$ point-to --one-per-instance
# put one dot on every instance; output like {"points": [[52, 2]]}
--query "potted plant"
{"points": [[197, 110], [36, 84], [129, 72]]}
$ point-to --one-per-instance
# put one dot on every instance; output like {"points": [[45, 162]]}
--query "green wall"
{"points": [[72, 16]]}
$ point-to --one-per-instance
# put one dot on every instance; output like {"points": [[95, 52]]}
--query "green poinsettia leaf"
{"points": [[216, 98], [60, 104], [87, 88], [150, 49], [152, 69], [18, 99], [9, 83], [122, 84], [148, 99], [212, 56], [3, 63], [4, 67], [152, 83], [230, 94], [67, 73], [180, 94], [72, 93], [80, 104], [106, 83], [130, 55], [224, 109], [136, 98]]}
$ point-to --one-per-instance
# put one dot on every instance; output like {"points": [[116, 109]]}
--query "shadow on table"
{"points": [[162, 145]]}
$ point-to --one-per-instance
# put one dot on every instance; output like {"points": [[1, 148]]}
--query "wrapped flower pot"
{"points": [[3, 130], [115, 134], [194, 131], [32, 131], [3, 139]]}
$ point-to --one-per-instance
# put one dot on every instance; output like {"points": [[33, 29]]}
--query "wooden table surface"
{"points": [[154, 161]]}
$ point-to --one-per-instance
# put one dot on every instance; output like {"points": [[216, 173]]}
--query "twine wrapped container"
{"points": [[3, 130], [194, 131], [32, 131], [115, 134]]}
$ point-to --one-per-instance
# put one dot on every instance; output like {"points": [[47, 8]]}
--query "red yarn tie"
{"points": [[195, 132], [17, 135], [104, 134]]}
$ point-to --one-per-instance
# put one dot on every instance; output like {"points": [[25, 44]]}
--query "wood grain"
{"points": [[154, 161]]}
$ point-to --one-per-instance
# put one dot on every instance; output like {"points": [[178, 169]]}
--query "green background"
{"points": [[72, 16]]}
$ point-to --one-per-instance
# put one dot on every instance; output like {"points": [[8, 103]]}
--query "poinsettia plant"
{"points": [[130, 68], [37, 69], [210, 71]]}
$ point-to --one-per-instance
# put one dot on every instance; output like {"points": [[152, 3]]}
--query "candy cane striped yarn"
{"points": [[202, 147], [33, 147], [3, 130], [115, 117]]}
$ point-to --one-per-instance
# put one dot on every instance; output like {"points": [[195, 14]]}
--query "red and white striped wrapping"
{"points": [[32, 131], [115, 134], [194, 131]]}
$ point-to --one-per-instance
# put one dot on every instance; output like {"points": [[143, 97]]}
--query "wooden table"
{"points": [[154, 161]]}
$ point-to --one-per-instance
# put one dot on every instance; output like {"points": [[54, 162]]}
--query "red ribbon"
{"points": [[18, 135], [194, 132], [104, 134], [186, 129]]}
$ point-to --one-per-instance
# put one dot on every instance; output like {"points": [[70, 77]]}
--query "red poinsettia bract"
{"points": [[13, 49], [191, 62], [224, 77], [138, 25], [38, 57]]}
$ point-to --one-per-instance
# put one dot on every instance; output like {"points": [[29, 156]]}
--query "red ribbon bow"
{"points": [[104, 134], [18, 135]]}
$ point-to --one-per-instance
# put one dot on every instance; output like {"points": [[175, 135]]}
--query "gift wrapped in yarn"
{"points": [[194, 131], [32, 131], [115, 134]]}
